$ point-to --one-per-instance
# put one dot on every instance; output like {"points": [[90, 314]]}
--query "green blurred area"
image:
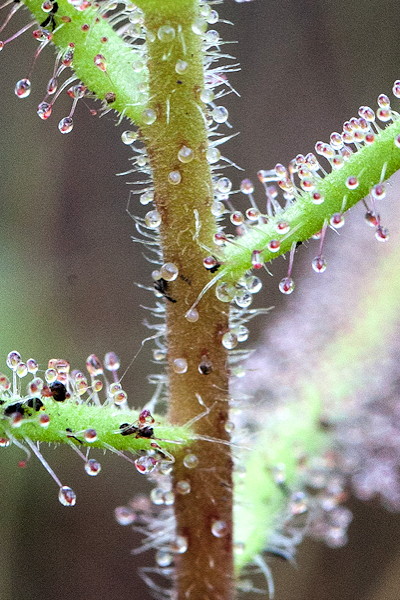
{"points": [[68, 269]]}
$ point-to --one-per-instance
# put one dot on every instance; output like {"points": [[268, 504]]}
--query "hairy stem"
{"points": [[204, 516]]}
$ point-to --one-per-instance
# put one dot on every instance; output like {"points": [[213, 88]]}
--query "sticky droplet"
{"points": [[67, 496], [22, 88]]}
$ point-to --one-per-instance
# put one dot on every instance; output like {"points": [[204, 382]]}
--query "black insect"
{"points": [[23, 407], [139, 432], [71, 436], [161, 285], [58, 391], [50, 20]]}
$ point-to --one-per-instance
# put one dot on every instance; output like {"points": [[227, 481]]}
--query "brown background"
{"points": [[67, 272]]}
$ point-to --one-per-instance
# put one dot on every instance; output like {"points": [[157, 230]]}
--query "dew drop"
{"points": [[199, 26], [145, 464], [217, 209], [179, 545], [100, 62], [180, 365], [174, 177], [229, 427], [13, 360], [274, 245], [90, 435], [219, 529], [153, 219], [182, 487], [21, 370], [181, 66], [185, 154], [220, 114], [378, 191], [92, 467], [50, 375], [317, 198], [213, 155], [242, 333], [146, 198], [212, 37], [237, 218], [223, 185], [207, 95], [120, 397], [352, 183], [67, 496], [190, 461], [44, 110], [164, 558], [382, 234], [169, 272], [115, 388], [159, 354], [149, 116], [111, 361], [22, 88], [166, 33], [93, 365], [298, 503], [128, 137], [192, 315], [286, 285], [244, 299], [229, 340], [337, 220], [157, 496], [319, 264], [44, 420], [225, 292], [66, 125], [124, 515], [253, 284]]}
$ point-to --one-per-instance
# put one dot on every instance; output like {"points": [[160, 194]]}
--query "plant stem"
{"points": [[205, 570]]}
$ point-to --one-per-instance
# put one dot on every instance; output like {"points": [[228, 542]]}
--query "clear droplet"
{"points": [[207, 95], [145, 464], [179, 545], [219, 529], [213, 155], [382, 234], [32, 365], [92, 467], [166, 33], [286, 285], [220, 114], [225, 292], [242, 333], [149, 116], [153, 219], [182, 487], [90, 435], [253, 284], [67, 496], [192, 315], [13, 359], [164, 558], [157, 496], [174, 177], [190, 461], [44, 110], [50, 375], [223, 185], [319, 264], [180, 365], [229, 427], [94, 365], [66, 125], [181, 66], [22, 88], [124, 515], [169, 272], [185, 154], [229, 340], [199, 26], [128, 137], [111, 361], [244, 299]]}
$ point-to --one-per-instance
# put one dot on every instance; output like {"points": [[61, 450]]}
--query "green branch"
{"points": [[69, 421]]}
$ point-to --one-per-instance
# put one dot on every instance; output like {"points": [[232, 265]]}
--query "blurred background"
{"points": [[68, 270]]}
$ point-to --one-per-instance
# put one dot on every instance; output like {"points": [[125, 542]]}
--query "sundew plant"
{"points": [[245, 453]]}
